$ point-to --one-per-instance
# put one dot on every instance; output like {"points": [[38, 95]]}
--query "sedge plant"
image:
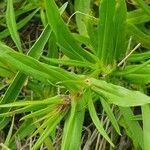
{"points": [[97, 59]]}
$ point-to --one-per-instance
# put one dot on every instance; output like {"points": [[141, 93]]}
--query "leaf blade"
{"points": [[97, 122], [11, 24]]}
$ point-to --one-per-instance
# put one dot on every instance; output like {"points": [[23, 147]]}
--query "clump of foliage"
{"points": [[91, 58]]}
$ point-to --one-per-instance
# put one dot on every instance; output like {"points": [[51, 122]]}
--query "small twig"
{"points": [[79, 12], [122, 61]]}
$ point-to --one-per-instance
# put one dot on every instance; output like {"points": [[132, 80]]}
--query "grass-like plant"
{"points": [[107, 52]]}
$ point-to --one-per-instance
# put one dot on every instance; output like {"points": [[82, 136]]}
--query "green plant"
{"points": [[105, 72]]}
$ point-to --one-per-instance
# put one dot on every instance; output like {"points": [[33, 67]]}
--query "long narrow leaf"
{"points": [[119, 30], [105, 27], [137, 16], [76, 132], [47, 131], [97, 122], [146, 125], [68, 127], [144, 6], [7, 141], [138, 35], [14, 88], [20, 24], [34, 68], [11, 23], [51, 100], [118, 95], [110, 114], [82, 6], [133, 125], [69, 62], [64, 37]]}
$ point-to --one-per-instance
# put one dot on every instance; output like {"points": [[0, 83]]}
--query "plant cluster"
{"points": [[91, 57]]}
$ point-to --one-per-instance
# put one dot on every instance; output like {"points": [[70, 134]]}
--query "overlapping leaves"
{"points": [[84, 87]]}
